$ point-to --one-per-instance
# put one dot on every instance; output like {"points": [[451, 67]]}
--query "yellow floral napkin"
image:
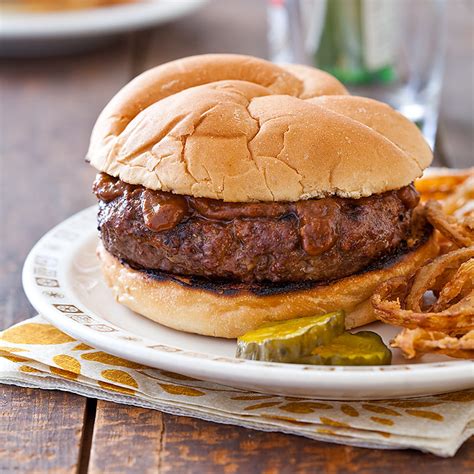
{"points": [[35, 354]]}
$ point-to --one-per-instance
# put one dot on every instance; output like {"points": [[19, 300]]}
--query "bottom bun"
{"points": [[229, 309]]}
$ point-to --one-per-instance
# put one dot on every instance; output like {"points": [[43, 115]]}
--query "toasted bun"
{"points": [[241, 129], [231, 310]]}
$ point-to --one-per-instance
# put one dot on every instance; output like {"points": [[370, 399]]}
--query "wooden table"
{"points": [[48, 107]]}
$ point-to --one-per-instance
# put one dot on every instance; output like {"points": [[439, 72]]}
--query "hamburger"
{"points": [[234, 192]]}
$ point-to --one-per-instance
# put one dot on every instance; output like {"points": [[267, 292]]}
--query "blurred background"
{"points": [[62, 60]]}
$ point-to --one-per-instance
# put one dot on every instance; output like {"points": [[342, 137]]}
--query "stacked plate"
{"points": [[26, 32]]}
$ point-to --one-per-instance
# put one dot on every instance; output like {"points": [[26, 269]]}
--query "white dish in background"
{"points": [[62, 280], [23, 33]]}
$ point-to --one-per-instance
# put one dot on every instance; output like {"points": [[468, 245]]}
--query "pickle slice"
{"points": [[362, 348], [286, 341]]}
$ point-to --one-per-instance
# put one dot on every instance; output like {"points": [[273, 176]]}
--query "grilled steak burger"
{"points": [[234, 192]]}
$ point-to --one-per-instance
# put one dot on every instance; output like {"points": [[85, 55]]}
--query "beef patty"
{"points": [[315, 239]]}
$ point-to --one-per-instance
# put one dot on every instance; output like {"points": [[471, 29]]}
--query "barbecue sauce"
{"points": [[317, 218]]}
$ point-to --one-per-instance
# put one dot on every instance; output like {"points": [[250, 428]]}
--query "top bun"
{"points": [[241, 129]]}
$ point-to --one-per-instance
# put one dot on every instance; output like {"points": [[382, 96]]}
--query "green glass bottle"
{"points": [[357, 41]]}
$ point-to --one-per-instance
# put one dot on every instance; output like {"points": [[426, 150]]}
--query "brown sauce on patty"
{"points": [[317, 218]]}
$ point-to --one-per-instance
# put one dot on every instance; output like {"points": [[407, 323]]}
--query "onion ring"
{"points": [[445, 325], [449, 321], [414, 342], [399, 301], [455, 188], [461, 202], [459, 231], [427, 276], [461, 281]]}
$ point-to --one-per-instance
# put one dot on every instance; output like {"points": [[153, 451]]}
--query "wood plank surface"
{"points": [[135, 440], [195, 446], [126, 439], [40, 430]]}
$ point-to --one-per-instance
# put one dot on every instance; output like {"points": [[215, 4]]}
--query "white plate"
{"points": [[57, 32], [62, 280]]}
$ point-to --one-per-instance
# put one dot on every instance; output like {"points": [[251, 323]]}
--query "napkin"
{"points": [[35, 354]]}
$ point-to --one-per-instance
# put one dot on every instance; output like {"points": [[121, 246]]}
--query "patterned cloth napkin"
{"points": [[36, 354]]}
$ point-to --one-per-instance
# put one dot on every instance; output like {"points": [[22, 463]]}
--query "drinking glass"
{"points": [[390, 50]]}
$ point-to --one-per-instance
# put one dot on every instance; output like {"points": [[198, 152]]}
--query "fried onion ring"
{"points": [[401, 302], [454, 188], [427, 276], [450, 321], [459, 231], [461, 202], [436, 305], [462, 280], [414, 342]]}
